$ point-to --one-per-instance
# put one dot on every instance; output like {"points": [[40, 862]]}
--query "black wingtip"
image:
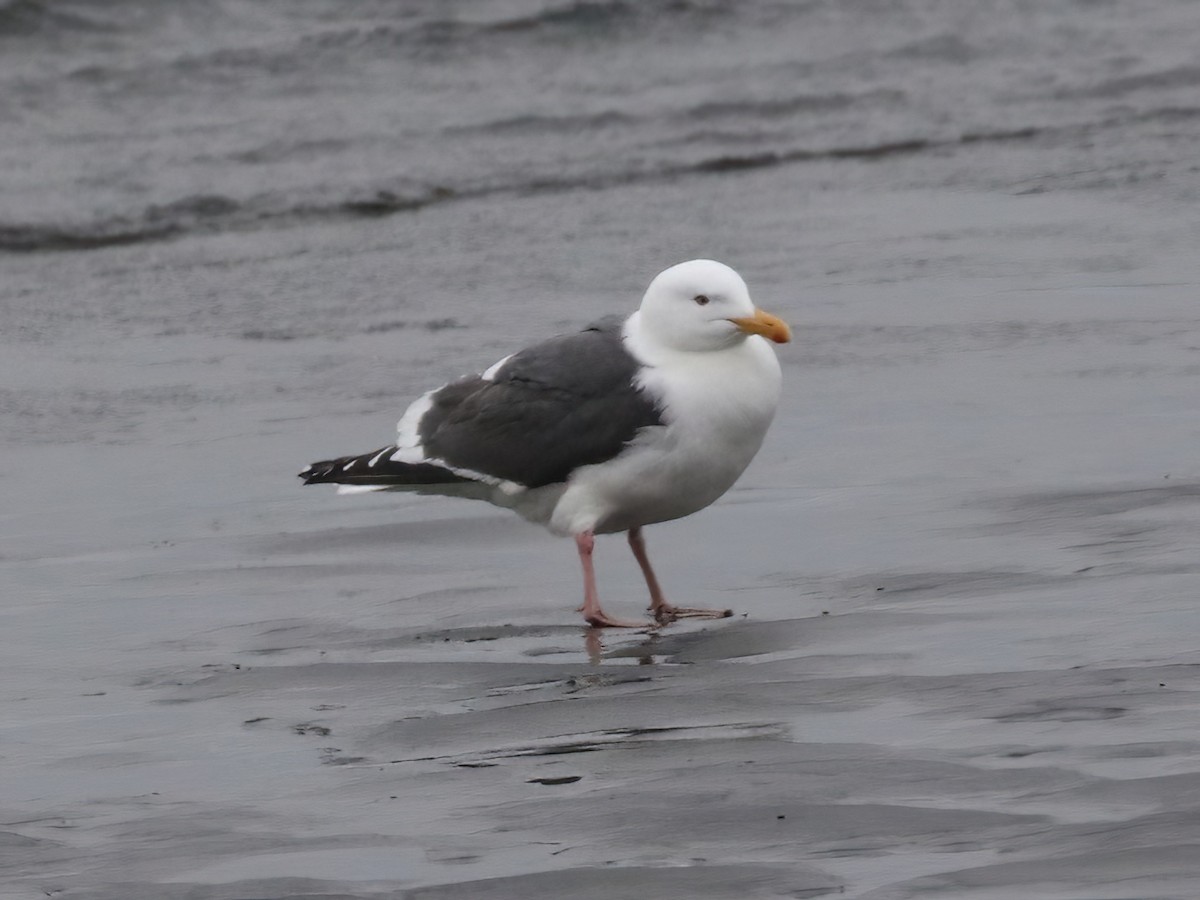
{"points": [[323, 472], [376, 468]]}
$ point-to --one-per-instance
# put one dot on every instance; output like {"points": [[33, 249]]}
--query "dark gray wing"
{"points": [[551, 408]]}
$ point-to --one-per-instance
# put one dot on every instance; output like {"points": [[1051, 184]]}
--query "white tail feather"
{"points": [[360, 488]]}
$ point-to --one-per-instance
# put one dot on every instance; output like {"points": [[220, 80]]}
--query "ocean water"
{"points": [[240, 235], [128, 121]]}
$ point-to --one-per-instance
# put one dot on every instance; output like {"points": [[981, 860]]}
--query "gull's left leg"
{"points": [[585, 542], [663, 611]]}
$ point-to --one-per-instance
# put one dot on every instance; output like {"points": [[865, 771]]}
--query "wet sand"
{"points": [[964, 660]]}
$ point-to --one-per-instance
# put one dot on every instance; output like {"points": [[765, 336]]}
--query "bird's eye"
{"points": [[701, 300]]}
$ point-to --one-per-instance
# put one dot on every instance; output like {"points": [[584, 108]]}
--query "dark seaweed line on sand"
{"points": [[201, 214], [212, 214], [23, 18]]}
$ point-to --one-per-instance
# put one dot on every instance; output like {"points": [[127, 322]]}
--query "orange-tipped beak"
{"points": [[771, 327]]}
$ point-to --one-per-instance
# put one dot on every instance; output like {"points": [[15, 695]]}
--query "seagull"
{"points": [[629, 422]]}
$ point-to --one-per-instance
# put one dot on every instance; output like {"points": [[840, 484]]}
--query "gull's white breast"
{"points": [[717, 407]]}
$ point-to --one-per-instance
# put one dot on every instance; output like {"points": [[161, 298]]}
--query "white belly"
{"points": [[717, 408]]}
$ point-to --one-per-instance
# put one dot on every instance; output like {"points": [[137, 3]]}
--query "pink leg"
{"points": [[663, 611], [591, 610]]}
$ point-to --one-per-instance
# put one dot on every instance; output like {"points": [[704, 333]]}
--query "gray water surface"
{"points": [[237, 237]]}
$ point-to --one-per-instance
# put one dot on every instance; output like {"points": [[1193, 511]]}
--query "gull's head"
{"points": [[704, 305]]}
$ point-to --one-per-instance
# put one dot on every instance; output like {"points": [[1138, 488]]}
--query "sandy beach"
{"points": [[963, 661]]}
